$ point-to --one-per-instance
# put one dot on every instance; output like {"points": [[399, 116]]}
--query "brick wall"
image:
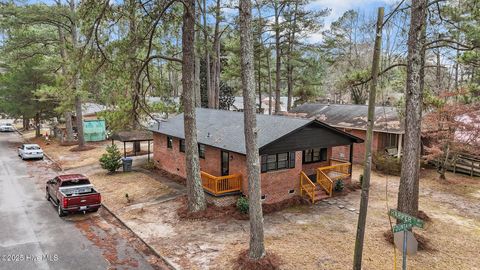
{"points": [[343, 152], [310, 168], [173, 161], [275, 185]]}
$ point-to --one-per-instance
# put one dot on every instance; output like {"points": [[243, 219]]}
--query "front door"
{"points": [[224, 159]]}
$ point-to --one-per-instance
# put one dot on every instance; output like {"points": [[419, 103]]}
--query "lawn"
{"points": [[322, 236]]}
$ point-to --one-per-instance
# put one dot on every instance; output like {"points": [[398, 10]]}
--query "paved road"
{"points": [[32, 236]]}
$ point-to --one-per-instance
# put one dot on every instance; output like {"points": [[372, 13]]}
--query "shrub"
{"points": [[111, 160], [242, 205], [387, 164], [339, 186], [150, 165]]}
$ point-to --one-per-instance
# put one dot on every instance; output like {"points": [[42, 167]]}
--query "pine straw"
{"points": [[423, 243], [269, 262], [82, 148], [227, 212]]}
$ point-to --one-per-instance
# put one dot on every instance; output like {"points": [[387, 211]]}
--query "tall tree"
{"points": [[409, 179], [196, 196], [257, 246]]}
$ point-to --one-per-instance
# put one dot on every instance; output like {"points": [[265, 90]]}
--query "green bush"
{"points": [[339, 186], [111, 160], [242, 205], [387, 164]]}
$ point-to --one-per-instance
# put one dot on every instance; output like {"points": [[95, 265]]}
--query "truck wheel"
{"points": [[60, 211], [47, 196]]}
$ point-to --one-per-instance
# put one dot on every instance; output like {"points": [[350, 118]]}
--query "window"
{"points": [[389, 140], [182, 145], [201, 150], [169, 142], [315, 155], [277, 161]]}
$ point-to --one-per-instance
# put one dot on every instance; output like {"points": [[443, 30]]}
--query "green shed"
{"points": [[94, 130]]}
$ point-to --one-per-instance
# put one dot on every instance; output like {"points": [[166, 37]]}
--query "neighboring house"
{"points": [[238, 104], [90, 111], [388, 127], [290, 149]]}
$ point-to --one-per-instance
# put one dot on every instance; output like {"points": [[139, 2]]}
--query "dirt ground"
{"points": [[322, 236], [69, 159], [139, 186]]}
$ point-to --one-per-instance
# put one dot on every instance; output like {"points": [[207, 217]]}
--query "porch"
{"points": [[221, 185], [322, 185]]}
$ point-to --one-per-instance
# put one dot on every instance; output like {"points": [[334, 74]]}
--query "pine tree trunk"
{"points": [[195, 193], [37, 125], [270, 88], [409, 179], [277, 59], [63, 55], [216, 63], [257, 246], [69, 126], [76, 78]]}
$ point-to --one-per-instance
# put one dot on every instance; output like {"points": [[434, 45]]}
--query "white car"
{"points": [[6, 128], [30, 151]]}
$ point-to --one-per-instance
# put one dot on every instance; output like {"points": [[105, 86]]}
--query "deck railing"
{"points": [[340, 167], [218, 185], [325, 182], [307, 186]]}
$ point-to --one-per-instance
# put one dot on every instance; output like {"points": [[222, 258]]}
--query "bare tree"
{"points": [[257, 246], [409, 179], [196, 196]]}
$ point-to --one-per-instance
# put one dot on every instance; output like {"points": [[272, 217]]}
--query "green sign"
{"points": [[404, 218], [402, 227]]}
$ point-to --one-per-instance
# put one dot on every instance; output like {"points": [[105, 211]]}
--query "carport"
{"points": [[133, 136]]}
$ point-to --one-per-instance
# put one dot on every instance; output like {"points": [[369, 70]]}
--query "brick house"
{"points": [[388, 127], [295, 154]]}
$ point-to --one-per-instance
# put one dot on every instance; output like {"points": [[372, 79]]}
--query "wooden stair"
{"points": [[320, 193]]}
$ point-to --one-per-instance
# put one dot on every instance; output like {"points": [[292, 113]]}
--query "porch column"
{"points": [[400, 143], [350, 159]]}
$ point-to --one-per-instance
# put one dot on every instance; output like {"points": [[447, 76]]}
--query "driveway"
{"points": [[32, 236]]}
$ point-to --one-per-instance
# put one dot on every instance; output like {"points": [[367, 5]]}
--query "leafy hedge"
{"points": [[387, 164]]}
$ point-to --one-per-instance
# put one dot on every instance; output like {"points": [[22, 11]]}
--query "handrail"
{"points": [[218, 185], [341, 166], [325, 182], [307, 185]]}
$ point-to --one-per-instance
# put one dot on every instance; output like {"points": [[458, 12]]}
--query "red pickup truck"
{"points": [[72, 193]]}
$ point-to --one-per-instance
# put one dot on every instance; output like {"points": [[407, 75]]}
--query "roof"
{"points": [[225, 129], [134, 135], [68, 177], [31, 144], [238, 103], [89, 108], [387, 119]]}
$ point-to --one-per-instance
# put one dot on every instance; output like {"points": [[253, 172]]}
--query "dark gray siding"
{"points": [[313, 135]]}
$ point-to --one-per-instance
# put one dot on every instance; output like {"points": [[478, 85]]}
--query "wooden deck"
{"points": [[221, 185], [326, 178]]}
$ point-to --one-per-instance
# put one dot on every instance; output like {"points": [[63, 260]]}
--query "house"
{"points": [[388, 127], [238, 104], [295, 154]]}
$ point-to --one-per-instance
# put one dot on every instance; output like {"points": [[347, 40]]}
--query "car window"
{"points": [[33, 147], [75, 182]]}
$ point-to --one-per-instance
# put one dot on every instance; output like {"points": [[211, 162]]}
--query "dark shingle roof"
{"points": [[353, 116], [225, 129], [131, 136]]}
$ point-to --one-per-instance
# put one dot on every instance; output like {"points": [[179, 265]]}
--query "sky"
{"points": [[338, 7]]}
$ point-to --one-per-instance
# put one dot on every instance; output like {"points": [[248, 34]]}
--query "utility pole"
{"points": [[362, 217]]}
